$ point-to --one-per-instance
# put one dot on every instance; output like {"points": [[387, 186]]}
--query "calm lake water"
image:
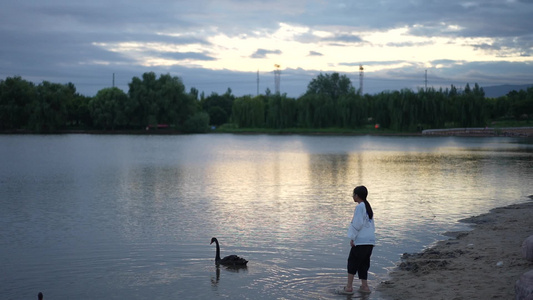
{"points": [[131, 217]]}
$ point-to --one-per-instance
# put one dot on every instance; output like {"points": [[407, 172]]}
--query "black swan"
{"points": [[230, 260]]}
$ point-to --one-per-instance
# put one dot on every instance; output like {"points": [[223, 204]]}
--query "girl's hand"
{"points": [[351, 243]]}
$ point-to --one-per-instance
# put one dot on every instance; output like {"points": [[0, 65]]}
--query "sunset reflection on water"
{"points": [[133, 215]]}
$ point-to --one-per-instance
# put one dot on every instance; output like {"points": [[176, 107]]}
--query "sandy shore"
{"points": [[483, 263]]}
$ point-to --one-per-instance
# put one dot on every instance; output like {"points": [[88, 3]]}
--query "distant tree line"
{"points": [[330, 101]]}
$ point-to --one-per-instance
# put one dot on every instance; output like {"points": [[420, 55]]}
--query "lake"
{"points": [[131, 216]]}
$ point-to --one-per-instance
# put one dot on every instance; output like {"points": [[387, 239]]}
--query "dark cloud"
{"points": [[410, 44], [485, 46], [504, 47], [446, 62], [344, 38], [371, 63], [454, 18], [49, 52], [262, 53], [185, 55], [62, 41], [314, 53]]}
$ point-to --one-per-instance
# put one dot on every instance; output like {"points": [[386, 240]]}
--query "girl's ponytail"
{"points": [[362, 192], [369, 210]]}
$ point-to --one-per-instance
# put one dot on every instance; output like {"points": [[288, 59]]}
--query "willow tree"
{"points": [[432, 109], [280, 111], [310, 111], [470, 107], [248, 112], [379, 109], [353, 111]]}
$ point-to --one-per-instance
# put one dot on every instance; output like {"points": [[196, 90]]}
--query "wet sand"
{"points": [[483, 263]]}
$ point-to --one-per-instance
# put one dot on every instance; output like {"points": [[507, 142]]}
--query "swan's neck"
{"points": [[217, 257]]}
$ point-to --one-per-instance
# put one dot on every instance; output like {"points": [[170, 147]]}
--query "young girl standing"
{"points": [[361, 233]]}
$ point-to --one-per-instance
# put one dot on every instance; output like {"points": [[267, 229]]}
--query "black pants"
{"points": [[359, 260]]}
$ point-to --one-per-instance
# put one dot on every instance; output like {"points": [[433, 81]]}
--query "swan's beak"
{"points": [[210, 243]]}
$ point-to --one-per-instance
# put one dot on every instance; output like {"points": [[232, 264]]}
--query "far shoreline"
{"points": [[520, 132]]}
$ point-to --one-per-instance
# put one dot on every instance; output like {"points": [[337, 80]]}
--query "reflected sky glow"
{"points": [[133, 215]]}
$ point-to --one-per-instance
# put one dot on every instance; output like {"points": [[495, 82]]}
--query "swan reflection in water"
{"points": [[215, 279]]}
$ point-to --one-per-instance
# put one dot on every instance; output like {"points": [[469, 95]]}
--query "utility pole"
{"points": [[361, 74], [426, 80], [113, 79], [257, 82], [277, 75]]}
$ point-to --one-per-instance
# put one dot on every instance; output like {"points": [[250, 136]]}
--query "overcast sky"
{"points": [[221, 44]]}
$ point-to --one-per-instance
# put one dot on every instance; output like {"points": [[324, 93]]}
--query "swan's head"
{"points": [[213, 240]]}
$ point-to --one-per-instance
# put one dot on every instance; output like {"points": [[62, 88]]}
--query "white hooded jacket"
{"points": [[362, 230]]}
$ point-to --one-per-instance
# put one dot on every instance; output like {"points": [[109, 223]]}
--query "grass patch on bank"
{"points": [[367, 130], [511, 123]]}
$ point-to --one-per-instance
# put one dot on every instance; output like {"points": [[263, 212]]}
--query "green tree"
{"points": [[107, 109], [48, 111], [432, 109], [162, 100], [16, 94], [281, 111], [198, 123], [248, 112], [78, 112], [309, 115], [470, 106], [319, 107], [353, 111], [142, 97], [174, 105], [500, 107], [194, 93], [379, 109], [332, 85], [217, 115], [219, 107], [521, 103]]}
